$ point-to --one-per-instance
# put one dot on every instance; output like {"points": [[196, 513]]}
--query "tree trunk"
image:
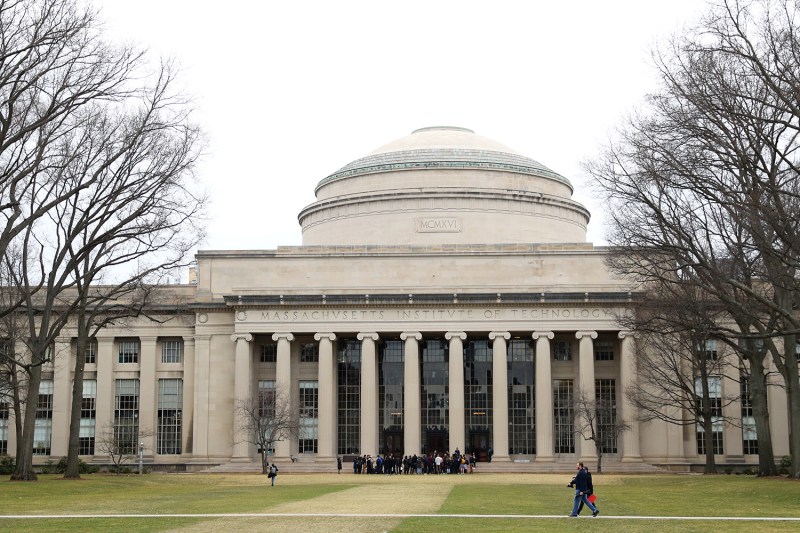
{"points": [[73, 448], [793, 402], [757, 382], [24, 468]]}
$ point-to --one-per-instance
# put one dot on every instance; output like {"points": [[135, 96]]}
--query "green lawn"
{"points": [[495, 494]]}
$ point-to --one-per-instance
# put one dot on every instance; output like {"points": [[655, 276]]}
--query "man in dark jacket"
{"points": [[582, 492]]}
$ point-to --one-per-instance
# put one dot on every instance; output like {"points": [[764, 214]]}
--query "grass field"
{"points": [[481, 494]]}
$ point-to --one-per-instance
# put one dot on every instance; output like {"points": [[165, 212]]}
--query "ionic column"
{"points": [[327, 398], [411, 400], [584, 448], [104, 415], [202, 395], [188, 395], [457, 434], [627, 378], [62, 396], [369, 394], [544, 397], [283, 384], [242, 394], [500, 395], [148, 393]]}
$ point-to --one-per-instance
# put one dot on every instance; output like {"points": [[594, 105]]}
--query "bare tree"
{"points": [[596, 420], [121, 444], [704, 187], [108, 184], [269, 418], [54, 69]]}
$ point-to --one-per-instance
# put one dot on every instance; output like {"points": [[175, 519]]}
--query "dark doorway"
{"points": [[393, 443], [435, 441], [479, 443]]}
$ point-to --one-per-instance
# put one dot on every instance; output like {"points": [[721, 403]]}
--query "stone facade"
{"points": [[444, 297]]}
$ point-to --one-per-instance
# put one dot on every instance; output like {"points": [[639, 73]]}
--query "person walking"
{"points": [[581, 492], [338, 465], [273, 473]]}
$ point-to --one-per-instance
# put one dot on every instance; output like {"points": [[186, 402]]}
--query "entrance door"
{"points": [[479, 443], [436, 441], [393, 443]]}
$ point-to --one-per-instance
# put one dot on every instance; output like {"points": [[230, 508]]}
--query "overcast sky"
{"points": [[289, 91]]}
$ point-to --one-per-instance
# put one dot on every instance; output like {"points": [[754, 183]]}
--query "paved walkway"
{"points": [[395, 516]]}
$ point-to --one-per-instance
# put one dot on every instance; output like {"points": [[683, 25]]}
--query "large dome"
{"points": [[443, 185]]}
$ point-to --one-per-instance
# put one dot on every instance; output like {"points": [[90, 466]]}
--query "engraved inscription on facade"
{"points": [[347, 315], [438, 225]]}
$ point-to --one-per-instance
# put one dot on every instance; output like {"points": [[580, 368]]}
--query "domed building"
{"points": [[444, 298]]}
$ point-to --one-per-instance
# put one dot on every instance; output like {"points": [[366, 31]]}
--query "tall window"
{"points": [[128, 350], [390, 396], [605, 391], [91, 351], [603, 350], [44, 419], [170, 415], [126, 416], [434, 390], [266, 401], [309, 353], [562, 350], [710, 348], [749, 435], [348, 439], [4, 415], [171, 350], [563, 416], [521, 414], [309, 417], [715, 397], [478, 395], [269, 352], [88, 418]]}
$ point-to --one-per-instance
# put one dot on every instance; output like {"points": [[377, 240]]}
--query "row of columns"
{"points": [[411, 402], [106, 367]]}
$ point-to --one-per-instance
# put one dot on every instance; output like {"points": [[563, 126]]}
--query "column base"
{"points": [[500, 459], [241, 459], [544, 459], [631, 459], [325, 459]]}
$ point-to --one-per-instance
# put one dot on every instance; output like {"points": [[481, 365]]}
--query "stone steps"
{"points": [[495, 467]]}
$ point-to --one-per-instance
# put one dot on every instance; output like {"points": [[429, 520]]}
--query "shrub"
{"points": [[6, 465], [785, 465], [83, 468]]}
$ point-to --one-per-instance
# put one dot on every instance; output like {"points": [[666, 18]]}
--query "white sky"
{"points": [[290, 91]]}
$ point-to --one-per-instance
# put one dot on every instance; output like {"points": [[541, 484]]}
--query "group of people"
{"points": [[432, 463], [584, 490]]}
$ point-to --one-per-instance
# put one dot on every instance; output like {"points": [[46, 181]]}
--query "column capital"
{"points": [[283, 335], [330, 336], [188, 341], [582, 334], [147, 338], [549, 334], [362, 336], [455, 335], [411, 335], [242, 336], [627, 333], [497, 334]]}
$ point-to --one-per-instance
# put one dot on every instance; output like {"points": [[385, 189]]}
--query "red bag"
{"points": [[592, 498]]}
